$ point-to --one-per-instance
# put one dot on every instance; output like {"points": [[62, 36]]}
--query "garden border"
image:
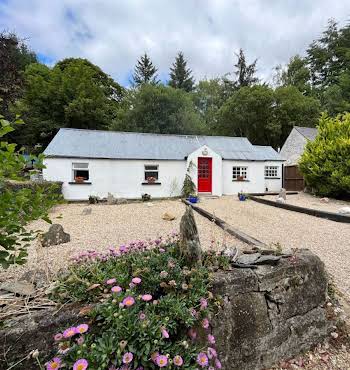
{"points": [[309, 211], [226, 227]]}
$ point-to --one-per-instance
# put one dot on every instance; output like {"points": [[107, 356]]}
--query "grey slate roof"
{"points": [[80, 143], [308, 132]]}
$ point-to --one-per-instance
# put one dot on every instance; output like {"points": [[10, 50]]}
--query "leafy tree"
{"points": [[145, 71], [336, 98], [266, 116], [249, 112], [19, 207], [291, 109], [208, 96], [74, 93], [14, 57], [325, 162], [296, 74], [158, 109], [180, 75]]}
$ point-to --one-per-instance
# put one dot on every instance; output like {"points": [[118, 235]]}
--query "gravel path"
{"points": [[310, 201], [111, 225], [328, 239]]}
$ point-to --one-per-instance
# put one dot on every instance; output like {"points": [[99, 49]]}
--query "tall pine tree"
{"points": [[180, 75], [145, 71], [245, 72]]}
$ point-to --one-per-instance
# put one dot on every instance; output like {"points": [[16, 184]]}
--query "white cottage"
{"points": [[129, 164]]}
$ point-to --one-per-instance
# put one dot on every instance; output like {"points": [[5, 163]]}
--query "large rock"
{"points": [[56, 235], [270, 313], [344, 211], [283, 194], [189, 238], [168, 216]]}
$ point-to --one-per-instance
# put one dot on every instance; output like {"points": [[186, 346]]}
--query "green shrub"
{"points": [[19, 204], [325, 162], [150, 307]]}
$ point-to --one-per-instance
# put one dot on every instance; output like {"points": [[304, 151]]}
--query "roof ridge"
{"points": [[152, 133]]}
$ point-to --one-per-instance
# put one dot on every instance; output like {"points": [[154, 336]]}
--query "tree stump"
{"points": [[189, 240]]}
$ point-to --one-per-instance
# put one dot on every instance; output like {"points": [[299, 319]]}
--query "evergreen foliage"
{"points": [[145, 72], [180, 75], [325, 162]]}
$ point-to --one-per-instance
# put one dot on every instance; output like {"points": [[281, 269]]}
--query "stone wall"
{"points": [[269, 313]]}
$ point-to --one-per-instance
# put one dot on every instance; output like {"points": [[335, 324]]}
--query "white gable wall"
{"points": [[122, 178], [216, 168]]}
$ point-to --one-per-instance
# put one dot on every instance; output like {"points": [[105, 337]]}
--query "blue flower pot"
{"points": [[242, 197], [192, 199]]}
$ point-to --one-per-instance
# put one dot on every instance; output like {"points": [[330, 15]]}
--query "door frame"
{"points": [[210, 160]]}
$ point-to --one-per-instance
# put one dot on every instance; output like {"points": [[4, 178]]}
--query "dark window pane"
{"points": [[151, 174], [81, 173]]}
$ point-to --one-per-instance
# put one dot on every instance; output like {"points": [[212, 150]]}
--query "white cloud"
{"points": [[113, 34]]}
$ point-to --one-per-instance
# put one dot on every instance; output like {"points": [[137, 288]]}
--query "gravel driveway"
{"points": [[111, 225], [310, 201], [328, 239]]}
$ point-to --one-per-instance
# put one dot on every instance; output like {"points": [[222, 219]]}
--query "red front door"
{"points": [[204, 175]]}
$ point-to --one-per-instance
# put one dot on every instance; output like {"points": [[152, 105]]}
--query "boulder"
{"points": [[248, 259], [189, 239], [55, 236], [168, 217], [111, 199], [344, 211], [18, 287], [324, 200], [283, 194], [280, 200], [86, 211], [37, 277]]}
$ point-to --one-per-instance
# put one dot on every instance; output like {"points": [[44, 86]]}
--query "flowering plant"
{"points": [[152, 310]]}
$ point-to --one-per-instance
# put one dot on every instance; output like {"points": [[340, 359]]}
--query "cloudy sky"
{"points": [[113, 33]]}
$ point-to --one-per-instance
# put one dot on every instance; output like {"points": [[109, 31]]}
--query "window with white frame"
{"points": [[239, 173], [151, 172], [271, 171], [80, 171]]}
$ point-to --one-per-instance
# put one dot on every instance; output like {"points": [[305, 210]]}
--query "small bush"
{"points": [[152, 310], [325, 162]]}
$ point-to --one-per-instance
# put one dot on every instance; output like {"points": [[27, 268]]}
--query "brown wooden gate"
{"points": [[293, 179]]}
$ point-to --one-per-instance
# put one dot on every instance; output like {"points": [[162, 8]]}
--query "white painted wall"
{"points": [[122, 178], [216, 168], [274, 184]]}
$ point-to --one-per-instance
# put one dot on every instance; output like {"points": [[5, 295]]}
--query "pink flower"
{"points": [[70, 332], [211, 339], [204, 303], [128, 301], [116, 289], [211, 352], [127, 358], [146, 297], [63, 347], [178, 361], [54, 364], [154, 356], [192, 333], [142, 316], [82, 328], [136, 280], [205, 323], [194, 313], [81, 364], [57, 337], [162, 360], [111, 281], [165, 334], [218, 364], [202, 359], [80, 341], [161, 250]]}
